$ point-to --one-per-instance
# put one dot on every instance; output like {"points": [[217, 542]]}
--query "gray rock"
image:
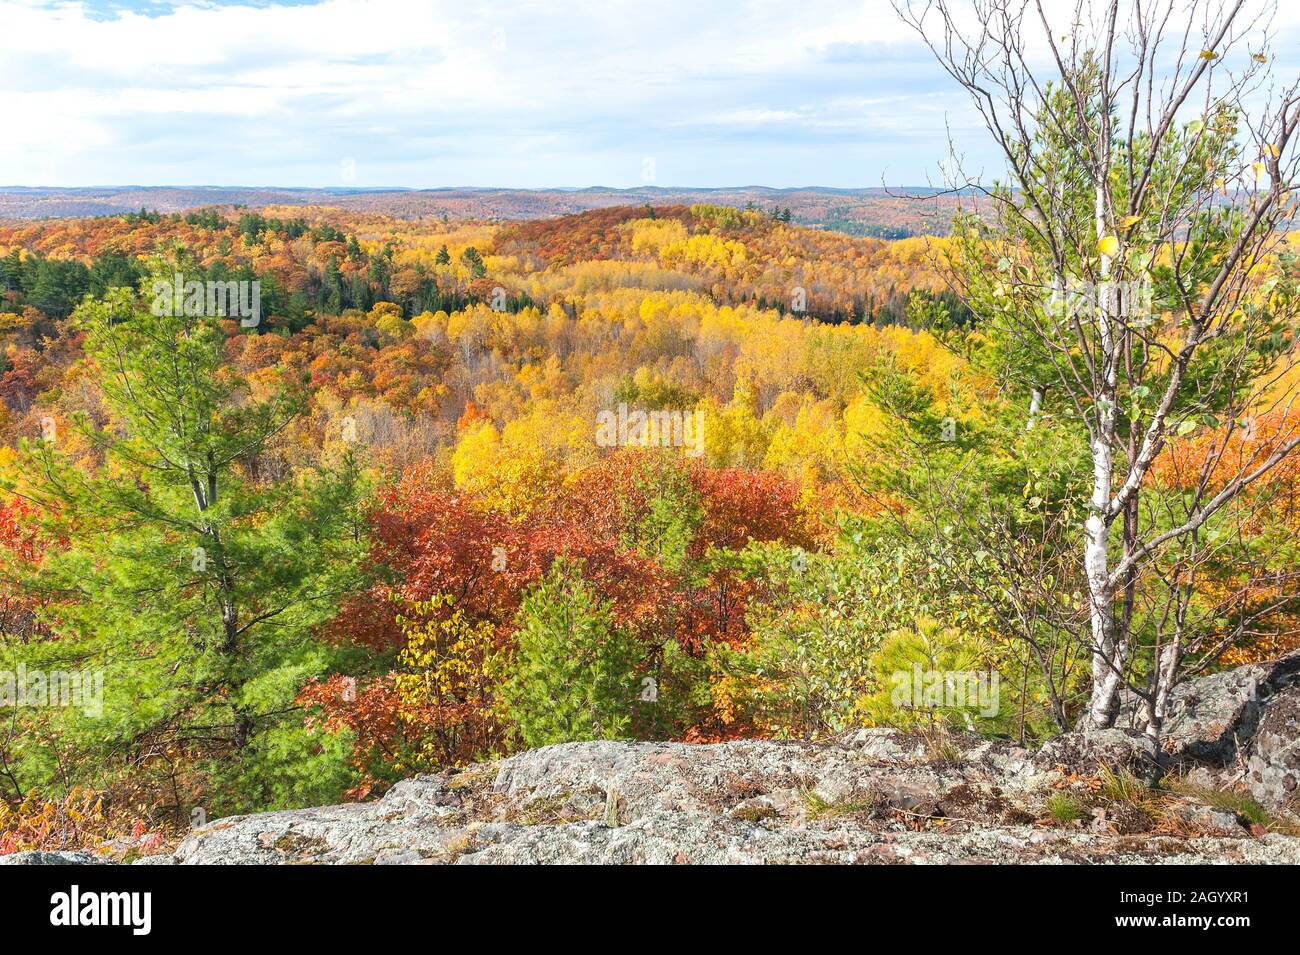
{"points": [[1237, 729], [880, 798], [1272, 755], [36, 857], [1088, 753], [1213, 718], [1206, 819]]}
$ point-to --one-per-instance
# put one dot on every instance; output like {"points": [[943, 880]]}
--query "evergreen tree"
{"points": [[474, 262], [381, 270], [332, 300], [573, 678], [192, 586]]}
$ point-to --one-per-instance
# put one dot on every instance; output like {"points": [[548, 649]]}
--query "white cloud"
{"points": [[442, 92]]}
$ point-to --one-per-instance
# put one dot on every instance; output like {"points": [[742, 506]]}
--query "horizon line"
{"points": [[590, 188]]}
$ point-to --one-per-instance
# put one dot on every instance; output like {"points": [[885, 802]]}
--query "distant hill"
{"points": [[872, 212]]}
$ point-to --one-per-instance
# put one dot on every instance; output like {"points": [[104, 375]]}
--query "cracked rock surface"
{"points": [[877, 796]]}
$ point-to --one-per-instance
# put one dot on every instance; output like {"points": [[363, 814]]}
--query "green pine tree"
{"points": [[193, 586], [573, 677], [474, 262]]}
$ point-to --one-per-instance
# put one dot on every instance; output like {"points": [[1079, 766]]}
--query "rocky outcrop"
{"points": [[1114, 749], [877, 796], [873, 796], [1239, 728]]}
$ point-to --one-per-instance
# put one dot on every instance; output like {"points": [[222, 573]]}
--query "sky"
{"points": [[397, 93]]}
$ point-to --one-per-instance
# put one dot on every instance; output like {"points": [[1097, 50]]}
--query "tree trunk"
{"points": [[1107, 652], [230, 649], [1035, 405], [1103, 706], [1164, 679]]}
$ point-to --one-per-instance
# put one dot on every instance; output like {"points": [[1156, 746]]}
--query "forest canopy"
{"points": [[379, 531]]}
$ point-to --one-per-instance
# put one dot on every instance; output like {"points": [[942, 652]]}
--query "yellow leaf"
{"points": [[1129, 222], [1273, 150], [1108, 245], [1209, 55], [1259, 57]]}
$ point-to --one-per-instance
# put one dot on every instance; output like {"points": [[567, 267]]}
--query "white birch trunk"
{"points": [[1107, 654], [1035, 405], [1106, 668]]}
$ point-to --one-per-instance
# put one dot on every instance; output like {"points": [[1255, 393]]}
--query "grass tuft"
{"points": [[1244, 806], [819, 808], [1124, 787], [1064, 809]]}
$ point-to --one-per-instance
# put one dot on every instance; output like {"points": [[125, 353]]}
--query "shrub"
{"points": [[73, 822]]}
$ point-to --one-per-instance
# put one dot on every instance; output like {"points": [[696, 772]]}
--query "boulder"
{"points": [[1271, 769], [1212, 718], [1237, 729], [1088, 753]]}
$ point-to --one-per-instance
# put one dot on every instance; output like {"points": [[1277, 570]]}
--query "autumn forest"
{"points": [[422, 553], [300, 500]]}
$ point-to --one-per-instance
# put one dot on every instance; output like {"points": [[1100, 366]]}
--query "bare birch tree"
{"points": [[1133, 263]]}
